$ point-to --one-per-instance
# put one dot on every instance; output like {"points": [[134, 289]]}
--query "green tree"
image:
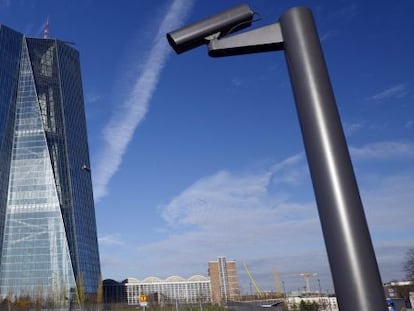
{"points": [[295, 307], [23, 302], [409, 264], [6, 304], [99, 292], [80, 291], [308, 306]]}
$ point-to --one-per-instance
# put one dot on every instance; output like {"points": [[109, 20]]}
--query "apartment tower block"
{"points": [[224, 280]]}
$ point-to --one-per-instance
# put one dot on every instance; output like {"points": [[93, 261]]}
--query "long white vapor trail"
{"points": [[121, 127]]}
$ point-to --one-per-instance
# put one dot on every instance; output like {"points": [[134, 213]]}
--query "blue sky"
{"points": [[194, 157]]}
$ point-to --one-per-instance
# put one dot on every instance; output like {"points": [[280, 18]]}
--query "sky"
{"points": [[194, 158]]}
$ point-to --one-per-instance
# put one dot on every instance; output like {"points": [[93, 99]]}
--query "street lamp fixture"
{"points": [[348, 243]]}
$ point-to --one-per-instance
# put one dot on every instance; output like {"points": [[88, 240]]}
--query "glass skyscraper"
{"points": [[48, 239]]}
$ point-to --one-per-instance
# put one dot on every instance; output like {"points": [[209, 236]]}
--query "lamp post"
{"points": [[286, 300], [320, 290], [348, 243]]}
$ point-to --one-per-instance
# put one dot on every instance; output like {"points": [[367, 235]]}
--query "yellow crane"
{"points": [[258, 291], [306, 276], [277, 281]]}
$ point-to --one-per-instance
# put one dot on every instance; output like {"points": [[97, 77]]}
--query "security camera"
{"points": [[198, 33]]}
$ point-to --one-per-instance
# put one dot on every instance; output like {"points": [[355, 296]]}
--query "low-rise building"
{"points": [[173, 290], [325, 302], [398, 293]]}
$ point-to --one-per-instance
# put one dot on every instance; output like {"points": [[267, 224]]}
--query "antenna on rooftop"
{"points": [[46, 29]]}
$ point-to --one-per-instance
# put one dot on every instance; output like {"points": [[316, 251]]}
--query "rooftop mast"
{"points": [[46, 29]]}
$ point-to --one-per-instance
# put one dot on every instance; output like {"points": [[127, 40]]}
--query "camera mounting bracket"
{"points": [[264, 39]]}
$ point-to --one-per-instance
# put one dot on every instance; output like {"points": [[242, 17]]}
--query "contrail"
{"points": [[120, 129]]}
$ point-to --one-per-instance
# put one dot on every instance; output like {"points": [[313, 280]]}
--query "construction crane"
{"points": [[306, 276], [277, 281], [258, 291]]}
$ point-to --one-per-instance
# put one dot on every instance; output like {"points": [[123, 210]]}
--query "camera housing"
{"points": [[196, 34]]}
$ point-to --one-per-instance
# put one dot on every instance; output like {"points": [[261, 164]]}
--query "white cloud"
{"points": [[110, 239], [92, 97], [120, 129], [262, 218], [383, 150], [388, 206], [328, 35], [243, 216], [237, 82], [352, 128], [397, 91], [409, 124], [394, 195]]}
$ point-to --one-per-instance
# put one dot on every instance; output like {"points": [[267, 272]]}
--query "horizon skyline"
{"points": [[194, 157]]}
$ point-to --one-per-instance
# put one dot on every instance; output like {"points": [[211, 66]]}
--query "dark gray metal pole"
{"points": [[351, 255]]}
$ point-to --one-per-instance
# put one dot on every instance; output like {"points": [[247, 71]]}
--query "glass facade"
{"points": [[47, 220], [10, 45]]}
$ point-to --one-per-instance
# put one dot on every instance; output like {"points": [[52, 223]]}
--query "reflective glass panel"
{"points": [[35, 258]]}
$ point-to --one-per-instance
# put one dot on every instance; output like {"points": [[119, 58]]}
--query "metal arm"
{"points": [[265, 39]]}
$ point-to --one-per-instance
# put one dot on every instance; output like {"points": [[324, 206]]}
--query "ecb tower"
{"points": [[48, 239]]}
